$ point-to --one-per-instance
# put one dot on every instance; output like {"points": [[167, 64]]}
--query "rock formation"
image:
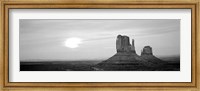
{"points": [[147, 54], [123, 44], [127, 59], [147, 50]]}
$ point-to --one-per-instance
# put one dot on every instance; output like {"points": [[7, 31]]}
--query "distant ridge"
{"points": [[126, 58]]}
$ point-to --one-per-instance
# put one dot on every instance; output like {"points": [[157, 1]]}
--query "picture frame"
{"points": [[110, 86]]}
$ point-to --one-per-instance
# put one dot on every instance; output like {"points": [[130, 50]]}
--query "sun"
{"points": [[73, 42]]}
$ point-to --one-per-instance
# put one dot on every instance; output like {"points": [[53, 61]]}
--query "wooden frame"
{"points": [[175, 86]]}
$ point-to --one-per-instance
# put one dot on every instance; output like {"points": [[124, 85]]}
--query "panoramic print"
{"points": [[99, 44]]}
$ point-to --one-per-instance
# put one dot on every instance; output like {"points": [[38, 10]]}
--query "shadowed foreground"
{"points": [[172, 64]]}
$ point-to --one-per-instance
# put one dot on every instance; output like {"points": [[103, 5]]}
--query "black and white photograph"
{"points": [[99, 44]]}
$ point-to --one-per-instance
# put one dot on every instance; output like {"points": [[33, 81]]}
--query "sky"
{"points": [[45, 39]]}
